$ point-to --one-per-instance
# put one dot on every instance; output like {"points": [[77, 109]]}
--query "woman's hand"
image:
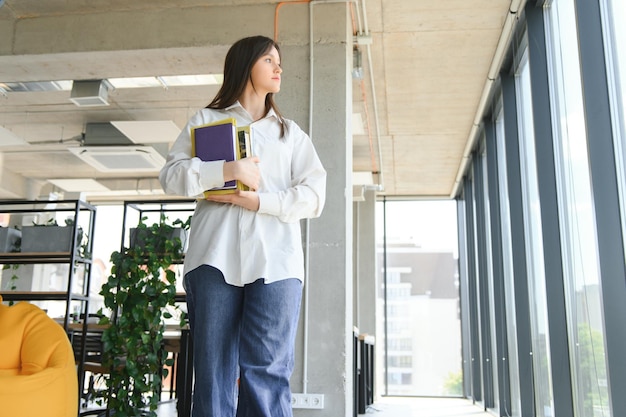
{"points": [[246, 199], [245, 170]]}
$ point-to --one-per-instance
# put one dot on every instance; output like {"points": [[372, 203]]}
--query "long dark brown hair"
{"points": [[238, 64]]}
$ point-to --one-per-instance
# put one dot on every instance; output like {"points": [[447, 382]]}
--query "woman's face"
{"points": [[265, 74]]}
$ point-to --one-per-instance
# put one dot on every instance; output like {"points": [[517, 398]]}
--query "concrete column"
{"points": [[327, 310], [365, 265]]}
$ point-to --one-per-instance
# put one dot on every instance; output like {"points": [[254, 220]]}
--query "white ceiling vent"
{"points": [[90, 93], [121, 158]]}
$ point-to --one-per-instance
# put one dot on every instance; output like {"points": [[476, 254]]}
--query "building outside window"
{"points": [[423, 331]]}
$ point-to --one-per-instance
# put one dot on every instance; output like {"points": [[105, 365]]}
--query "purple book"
{"points": [[216, 142]]}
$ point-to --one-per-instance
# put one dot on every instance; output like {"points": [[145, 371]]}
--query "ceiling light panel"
{"points": [[135, 82], [36, 86], [125, 82], [79, 185], [167, 81], [187, 80]]}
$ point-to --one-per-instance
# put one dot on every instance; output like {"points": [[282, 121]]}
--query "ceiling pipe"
{"points": [[362, 37], [380, 186], [496, 64]]}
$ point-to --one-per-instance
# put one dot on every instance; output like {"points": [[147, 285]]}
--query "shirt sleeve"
{"points": [[307, 194], [186, 175]]}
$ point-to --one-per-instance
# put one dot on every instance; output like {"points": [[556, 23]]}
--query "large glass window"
{"points": [[423, 339], [507, 267], [489, 275], [578, 237], [534, 244]]}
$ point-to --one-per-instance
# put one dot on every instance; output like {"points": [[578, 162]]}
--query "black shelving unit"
{"points": [[76, 292], [83, 216]]}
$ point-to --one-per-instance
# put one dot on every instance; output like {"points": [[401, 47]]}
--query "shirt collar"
{"points": [[271, 113]]}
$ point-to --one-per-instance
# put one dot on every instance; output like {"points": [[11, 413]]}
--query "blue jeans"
{"points": [[242, 332]]}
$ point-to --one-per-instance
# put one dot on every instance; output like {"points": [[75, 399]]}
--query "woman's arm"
{"points": [[307, 194]]}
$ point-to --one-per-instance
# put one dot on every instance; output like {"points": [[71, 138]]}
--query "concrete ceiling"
{"points": [[430, 63]]}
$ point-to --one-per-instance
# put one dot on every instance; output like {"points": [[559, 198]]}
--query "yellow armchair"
{"points": [[37, 368]]}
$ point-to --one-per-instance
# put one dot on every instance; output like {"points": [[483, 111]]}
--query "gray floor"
{"points": [[425, 407], [397, 407]]}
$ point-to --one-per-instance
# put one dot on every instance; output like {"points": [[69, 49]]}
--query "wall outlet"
{"points": [[315, 401]]}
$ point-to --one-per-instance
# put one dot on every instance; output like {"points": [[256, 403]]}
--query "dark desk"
{"points": [[184, 374], [366, 374], [184, 367], [176, 340]]}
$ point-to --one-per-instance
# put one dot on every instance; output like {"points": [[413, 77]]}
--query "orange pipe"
{"points": [[353, 18], [362, 84], [278, 6]]}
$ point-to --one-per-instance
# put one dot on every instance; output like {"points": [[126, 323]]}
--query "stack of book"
{"points": [[222, 141]]}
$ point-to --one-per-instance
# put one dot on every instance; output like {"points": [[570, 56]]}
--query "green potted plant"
{"points": [[138, 292], [138, 236], [11, 277]]}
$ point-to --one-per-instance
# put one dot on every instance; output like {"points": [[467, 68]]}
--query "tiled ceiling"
{"points": [[430, 60]]}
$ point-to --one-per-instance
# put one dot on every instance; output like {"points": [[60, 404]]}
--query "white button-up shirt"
{"points": [[247, 245]]}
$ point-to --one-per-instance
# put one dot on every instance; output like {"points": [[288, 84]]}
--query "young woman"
{"points": [[244, 265]]}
